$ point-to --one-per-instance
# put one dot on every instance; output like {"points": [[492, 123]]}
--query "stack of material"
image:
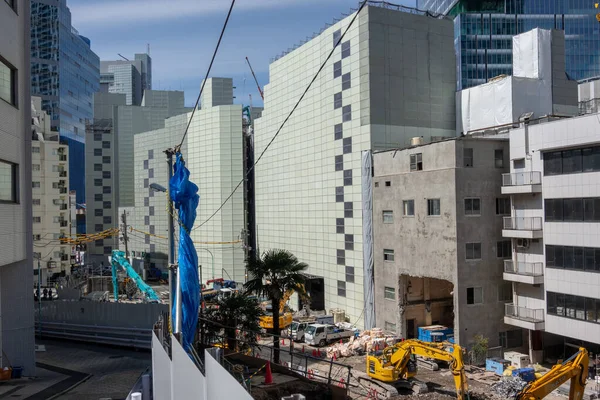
{"points": [[367, 341], [509, 386]]}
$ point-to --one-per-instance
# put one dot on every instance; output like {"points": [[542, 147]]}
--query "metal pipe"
{"points": [[178, 303], [169, 153], [212, 260]]}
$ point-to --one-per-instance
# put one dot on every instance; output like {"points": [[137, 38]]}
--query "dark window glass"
{"points": [[336, 37], [337, 100], [570, 306], [551, 303], [550, 260], [145, 164], [572, 209], [339, 194], [589, 263], [346, 49], [553, 209], [578, 257], [106, 144], [339, 225], [341, 289], [339, 163], [146, 182], [504, 249], [468, 157], [349, 241], [337, 69], [349, 274], [98, 228], [150, 154], [341, 257], [499, 158], [97, 137], [346, 113], [591, 311], [107, 249], [98, 212], [472, 206], [553, 163], [107, 205], [416, 162], [433, 207], [568, 257], [338, 131], [97, 182], [98, 167], [8, 82], [473, 251], [348, 177], [346, 79], [503, 206], [347, 145], [348, 212], [106, 174], [106, 160], [106, 189], [580, 307], [98, 197], [146, 220], [151, 210], [8, 182], [151, 173], [97, 152], [107, 220], [591, 159], [558, 256], [571, 161], [560, 304], [146, 201]]}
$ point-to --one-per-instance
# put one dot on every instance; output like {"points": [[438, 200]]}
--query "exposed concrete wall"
{"points": [[435, 246]]}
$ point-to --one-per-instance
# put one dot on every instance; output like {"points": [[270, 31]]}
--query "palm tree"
{"points": [[229, 314], [272, 275]]}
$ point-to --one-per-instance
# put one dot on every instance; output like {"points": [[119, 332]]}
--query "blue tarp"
{"points": [[185, 196]]}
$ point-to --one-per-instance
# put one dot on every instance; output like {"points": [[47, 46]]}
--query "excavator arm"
{"points": [[117, 261], [393, 364], [575, 369]]}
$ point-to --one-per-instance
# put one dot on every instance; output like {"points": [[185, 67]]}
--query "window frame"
{"points": [[389, 294], [15, 188], [499, 202], [499, 161], [472, 211], [431, 207], [14, 79], [416, 162], [388, 255], [465, 157], [473, 288], [337, 69], [406, 204], [389, 214], [346, 81], [341, 288], [500, 247], [474, 247]]}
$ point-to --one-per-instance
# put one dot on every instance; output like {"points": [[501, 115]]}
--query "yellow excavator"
{"points": [[285, 317], [397, 362], [575, 369]]}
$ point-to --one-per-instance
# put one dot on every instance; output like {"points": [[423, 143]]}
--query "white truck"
{"points": [[322, 334], [298, 327]]}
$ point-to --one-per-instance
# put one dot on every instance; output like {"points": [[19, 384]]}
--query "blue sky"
{"points": [[182, 35]]}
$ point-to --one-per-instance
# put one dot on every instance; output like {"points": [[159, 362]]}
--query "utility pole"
{"points": [[39, 295], [175, 319], [125, 238]]}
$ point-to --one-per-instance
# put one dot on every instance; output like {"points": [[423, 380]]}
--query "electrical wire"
{"points": [[207, 73], [288, 116]]}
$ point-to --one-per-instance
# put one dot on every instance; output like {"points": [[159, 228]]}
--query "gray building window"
{"points": [[388, 216], [347, 113], [8, 82], [345, 49], [151, 210], [472, 206], [97, 182], [408, 208], [503, 206], [336, 37], [341, 257], [152, 229], [338, 131], [504, 249], [339, 194], [349, 242], [505, 292], [37, 220], [337, 100], [349, 274], [388, 255], [106, 174], [433, 207], [106, 160], [106, 144], [97, 137], [146, 201], [347, 145], [339, 225], [499, 158], [98, 228], [337, 69], [348, 177], [107, 205], [348, 212], [98, 212], [339, 163], [8, 182], [416, 162], [346, 81], [145, 164], [98, 167], [106, 189], [98, 197], [468, 157], [474, 295], [107, 249], [97, 152], [146, 182], [389, 293], [99, 242], [511, 339], [107, 219], [341, 288], [151, 173], [152, 247], [146, 220], [150, 154], [473, 251]]}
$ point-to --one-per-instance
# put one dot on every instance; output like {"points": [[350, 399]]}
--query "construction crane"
{"points": [[118, 261], [575, 369], [285, 318], [262, 95], [397, 363]]}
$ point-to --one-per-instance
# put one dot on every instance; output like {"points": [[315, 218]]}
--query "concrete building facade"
{"points": [[439, 250], [555, 230], [16, 279], [387, 81], [50, 198], [109, 155], [130, 77], [213, 150]]}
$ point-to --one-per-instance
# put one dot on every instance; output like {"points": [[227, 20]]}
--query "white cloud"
{"points": [[141, 11]]}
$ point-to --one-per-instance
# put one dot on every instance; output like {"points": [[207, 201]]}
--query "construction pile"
{"points": [[509, 386], [367, 342]]}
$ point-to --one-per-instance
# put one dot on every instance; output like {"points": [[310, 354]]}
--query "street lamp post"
{"points": [[212, 260]]}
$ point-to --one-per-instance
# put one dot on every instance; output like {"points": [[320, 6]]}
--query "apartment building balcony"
{"points": [[524, 272], [522, 227], [522, 182], [527, 318]]}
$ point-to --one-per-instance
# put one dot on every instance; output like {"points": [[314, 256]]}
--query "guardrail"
{"points": [[525, 314], [117, 336], [522, 178], [523, 223], [523, 268]]}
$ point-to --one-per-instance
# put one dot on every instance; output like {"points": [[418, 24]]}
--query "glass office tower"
{"points": [[65, 73], [483, 32]]}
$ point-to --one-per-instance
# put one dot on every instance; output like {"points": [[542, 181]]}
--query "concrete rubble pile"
{"points": [[367, 341], [509, 386]]}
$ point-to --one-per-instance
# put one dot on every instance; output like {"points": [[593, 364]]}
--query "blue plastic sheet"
{"points": [[185, 196]]}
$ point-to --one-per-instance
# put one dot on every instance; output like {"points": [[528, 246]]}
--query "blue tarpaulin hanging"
{"points": [[185, 196]]}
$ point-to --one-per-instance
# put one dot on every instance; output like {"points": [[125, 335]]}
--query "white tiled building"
{"points": [[16, 279], [214, 155], [50, 197], [555, 228], [390, 79]]}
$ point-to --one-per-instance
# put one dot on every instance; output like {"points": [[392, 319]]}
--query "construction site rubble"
{"points": [[366, 342], [509, 386]]}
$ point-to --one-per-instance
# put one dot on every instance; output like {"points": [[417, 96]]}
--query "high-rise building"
{"points": [[65, 73], [484, 29], [213, 150], [109, 157], [130, 77], [391, 79], [50, 197], [16, 280]]}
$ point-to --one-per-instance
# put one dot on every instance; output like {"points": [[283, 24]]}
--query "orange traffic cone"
{"points": [[268, 374], [314, 353], [302, 348]]}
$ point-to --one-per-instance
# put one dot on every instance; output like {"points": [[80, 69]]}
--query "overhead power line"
{"points": [[288, 117], [207, 73]]}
